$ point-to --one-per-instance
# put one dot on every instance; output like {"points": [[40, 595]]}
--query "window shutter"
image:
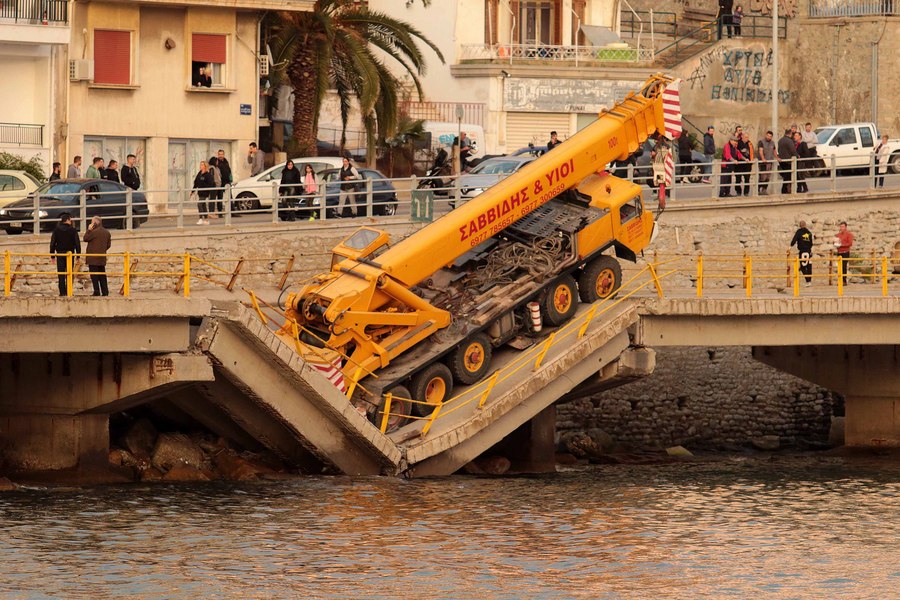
{"points": [[208, 48], [112, 56]]}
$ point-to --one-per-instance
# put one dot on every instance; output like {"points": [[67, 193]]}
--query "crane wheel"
{"points": [[433, 385], [600, 279], [401, 408], [471, 360], [559, 304]]}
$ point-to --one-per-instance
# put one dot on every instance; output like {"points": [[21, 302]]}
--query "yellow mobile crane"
{"points": [[416, 317]]}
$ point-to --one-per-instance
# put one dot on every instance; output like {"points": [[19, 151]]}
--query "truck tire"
{"points": [[601, 278], [894, 163], [432, 384], [471, 360], [559, 304], [401, 408]]}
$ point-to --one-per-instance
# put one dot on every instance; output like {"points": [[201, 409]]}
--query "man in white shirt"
{"points": [[809, 136]]}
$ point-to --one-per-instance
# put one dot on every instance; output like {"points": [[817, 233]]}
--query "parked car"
{"points": [[852, 145], [255, 192], [102, 198], [384, 194], [489, 172], [15, 185]]}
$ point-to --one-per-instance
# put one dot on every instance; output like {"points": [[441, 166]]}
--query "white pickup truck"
{"points": [[852, 146]]}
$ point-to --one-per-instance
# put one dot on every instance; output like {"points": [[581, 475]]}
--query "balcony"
{"points": [[17, 134], [34, 21], [853, 8], [576, 55]]}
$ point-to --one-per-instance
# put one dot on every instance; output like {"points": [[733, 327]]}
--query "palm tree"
{"points": [[335, 46]]}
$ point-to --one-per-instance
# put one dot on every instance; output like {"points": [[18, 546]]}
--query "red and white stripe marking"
{"points": [[672, 110], [332, 373], [670, 168]]}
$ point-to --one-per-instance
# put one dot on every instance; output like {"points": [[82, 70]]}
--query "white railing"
{"points": [[522, 52], [853, 8]]}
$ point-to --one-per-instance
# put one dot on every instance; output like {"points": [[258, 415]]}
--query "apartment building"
{"points": [[33, 39], [134, 84]]}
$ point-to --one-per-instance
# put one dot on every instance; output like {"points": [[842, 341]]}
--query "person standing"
{"points": [[843, 241], [215, 194], [96, 169], [111, 173], [685, 158], [737, 17], [765, 149], [310, 189], [98, 240], [64, 240], [787, 149], [348, 175], [743, 165], [224, 168], [723, 18], [728, 163], [203, 181], [130, 175], [803, 239], [74, 171], [882, 154], [256, 158], [802, 163], [55, 176], [289, 189], [554, 141], [809, 136], [709, 152]]}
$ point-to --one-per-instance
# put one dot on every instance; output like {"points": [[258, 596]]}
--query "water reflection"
{"points": [[789, 527]]}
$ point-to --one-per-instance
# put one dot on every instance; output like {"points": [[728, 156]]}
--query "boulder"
{"points": [[494, 465], [564, 458], [233, 467], [151, 474], [766, 442], [140, 438], [678, 451], [601, 438], [173, 449], [7, 486], [185, 473], [583, 446]]}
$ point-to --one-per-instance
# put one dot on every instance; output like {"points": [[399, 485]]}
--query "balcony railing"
{"points": [[854, 8], [522, 53], [473, 112], [35, 11], [21, 135]]}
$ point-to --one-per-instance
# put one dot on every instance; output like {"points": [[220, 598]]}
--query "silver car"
{"points": [[489, 172]]}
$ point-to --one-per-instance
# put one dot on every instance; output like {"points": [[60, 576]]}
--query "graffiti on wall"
{"points": [[746, 76], [701, 71], [786, 8]]}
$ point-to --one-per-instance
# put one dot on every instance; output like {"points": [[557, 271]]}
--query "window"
{"points": [[538, 22], [630, 210], [208, 57], [8, 183], [845, 136], [866, 134], [112, 57]]}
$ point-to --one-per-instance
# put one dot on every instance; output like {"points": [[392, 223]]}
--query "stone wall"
{"points": [[705, 397]]}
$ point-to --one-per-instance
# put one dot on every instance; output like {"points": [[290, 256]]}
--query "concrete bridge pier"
{"points": [[867, 376], [55, 407]]}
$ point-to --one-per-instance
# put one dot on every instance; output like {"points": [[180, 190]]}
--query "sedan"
{"points": [[15, 185], [489, 172], [103, 198], [257, 191], [384, 194]]}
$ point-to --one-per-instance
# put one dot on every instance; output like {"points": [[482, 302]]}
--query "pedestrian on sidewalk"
{"points": [[728, 162], [765, 149], [96, 169], [64, 240], [786, 150], [802, 162], [723, 18], [709, 152], [74, 171], [289, 190], [130, 175], [803, 239], [310, 189], [685, 157], [203, 182], [215, 194], [737, 17], [256, 158], [882, 154], [98, 240], [843, 242], [347, 198], [55, 175], [743, 165], [111, 172]]}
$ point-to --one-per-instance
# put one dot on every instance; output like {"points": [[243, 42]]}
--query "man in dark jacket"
{"points": [[130, 175], [726, 8], [98, 241], [803, 239], [709, 152], [111, 173], [786, 150], [64, 239], [685, 158], [802, 156], [224, 168]]}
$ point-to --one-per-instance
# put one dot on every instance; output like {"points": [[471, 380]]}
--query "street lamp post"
{"points": [[775, 67]]}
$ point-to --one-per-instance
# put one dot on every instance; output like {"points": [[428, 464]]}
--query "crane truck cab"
{"points": [[420, 316]]}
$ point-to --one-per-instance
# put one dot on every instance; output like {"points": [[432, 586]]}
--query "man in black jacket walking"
{"points": [[803, 239], [64, 239], [786, 150]]}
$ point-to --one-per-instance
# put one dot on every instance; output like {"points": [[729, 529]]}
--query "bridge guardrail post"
{"points": [[369, 201], [700, 275], [797, 276], [830, 266], [386, 411], [36, 214], [748, 274], [840, 275], [227, 206], [788, 265], [275, 201], [129, 209], [874, 268], [884, 276], [82, 210], [794, 185], [872, 169], [833, 171], [70, 278], [7, 275], [715, 178], [126, 275], [179, 220], [187, 275]]}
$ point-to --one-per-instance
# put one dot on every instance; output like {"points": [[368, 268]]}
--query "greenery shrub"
{"points": [[14, 162]]}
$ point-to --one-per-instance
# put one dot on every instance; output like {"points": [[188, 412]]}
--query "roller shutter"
{"points": [[522, 128], [208, 48], [112, 56]]}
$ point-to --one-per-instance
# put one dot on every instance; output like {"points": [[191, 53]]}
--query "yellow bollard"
{"points": [[70, 279], [387, 411], [796, 276], [488, 389], [187, 275], [748, 275], [840, 275], [700, 276], [126, 274], [656, 283], [884, 276], [547, 344], [7, 274]]}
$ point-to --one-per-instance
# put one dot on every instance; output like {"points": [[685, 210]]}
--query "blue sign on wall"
{"points": [[246, 109]]}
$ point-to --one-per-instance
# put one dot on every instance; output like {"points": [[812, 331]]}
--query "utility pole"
{"points": [[775, 129]]}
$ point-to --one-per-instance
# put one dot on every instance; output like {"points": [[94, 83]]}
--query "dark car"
{"points": [[384, 195], [102, 198]]}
